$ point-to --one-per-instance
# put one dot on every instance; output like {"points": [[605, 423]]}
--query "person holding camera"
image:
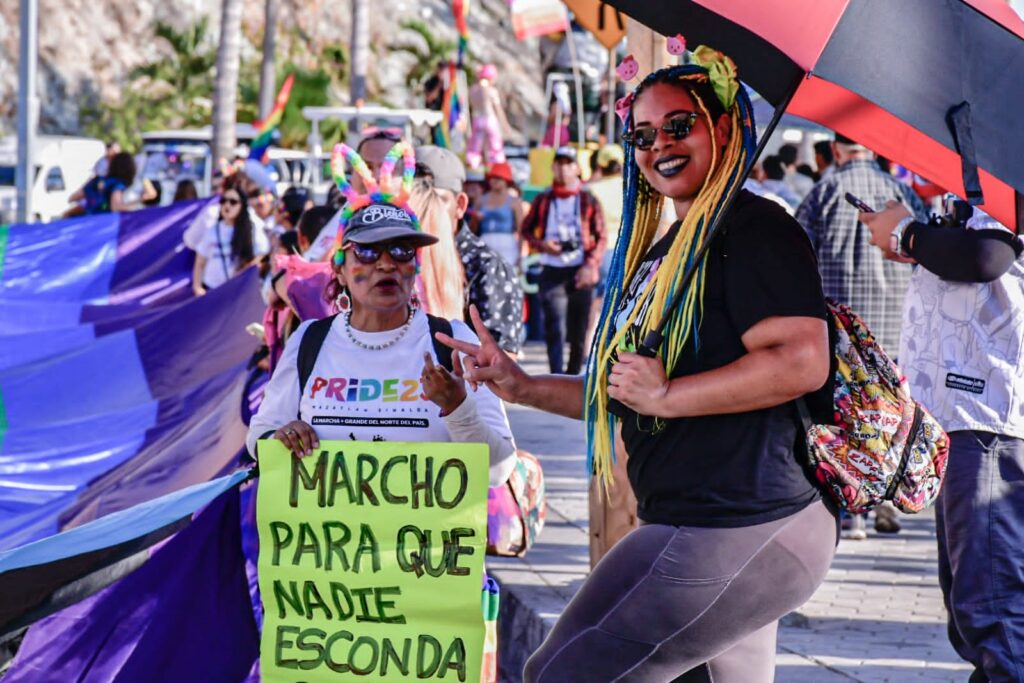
{"points": [[566, 225], [961, 350]]}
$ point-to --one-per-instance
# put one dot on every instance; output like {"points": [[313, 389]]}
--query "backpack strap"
{"points": [[309, 349], [443, 353]]}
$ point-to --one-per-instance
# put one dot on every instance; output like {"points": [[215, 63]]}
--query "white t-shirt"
{"points": [[206, 219], [364, 395], [215, 245], [961, 347], [564, 224]]}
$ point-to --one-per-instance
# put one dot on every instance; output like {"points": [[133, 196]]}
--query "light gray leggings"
{"points": [[668, 599]]}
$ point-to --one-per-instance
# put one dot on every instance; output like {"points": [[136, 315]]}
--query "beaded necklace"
{"points": [[378, 347]]}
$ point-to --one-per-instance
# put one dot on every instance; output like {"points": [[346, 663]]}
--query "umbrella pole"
{"points": [[653, 340]]}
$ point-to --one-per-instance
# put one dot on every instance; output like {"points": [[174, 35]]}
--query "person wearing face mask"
{"points": [[229, 245], [566, 225], [379, 349], [733, 532]]}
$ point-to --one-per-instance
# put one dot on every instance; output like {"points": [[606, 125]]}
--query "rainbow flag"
{"points": [[451, 109], [267, 126]]}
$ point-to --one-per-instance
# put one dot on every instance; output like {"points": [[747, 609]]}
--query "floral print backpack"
{"points": [[882, 445]]}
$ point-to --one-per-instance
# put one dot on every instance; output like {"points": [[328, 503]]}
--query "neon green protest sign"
{"points": [[371, 561]]}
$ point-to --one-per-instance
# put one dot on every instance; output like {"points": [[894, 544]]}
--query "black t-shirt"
{"points": [[739, 469]]}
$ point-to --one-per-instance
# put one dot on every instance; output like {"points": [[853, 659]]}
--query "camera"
{"points": [[569, 245], [956, 212]]}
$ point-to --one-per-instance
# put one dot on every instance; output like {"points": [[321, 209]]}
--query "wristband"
{"points": [[896, 236]]}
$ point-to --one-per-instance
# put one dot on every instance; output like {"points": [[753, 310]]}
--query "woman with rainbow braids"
{"points": [[734, 534], [377, 360]]}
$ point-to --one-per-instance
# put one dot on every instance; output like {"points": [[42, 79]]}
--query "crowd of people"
{"points": [[728, 531]]}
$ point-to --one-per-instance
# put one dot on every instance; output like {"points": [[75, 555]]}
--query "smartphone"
{"points": [[858, 202]]}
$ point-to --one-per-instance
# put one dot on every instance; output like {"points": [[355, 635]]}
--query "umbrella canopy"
{"points": [[931, 84]]}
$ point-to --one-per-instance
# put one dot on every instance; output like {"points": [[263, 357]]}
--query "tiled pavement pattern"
{"points": [[878, 617]]}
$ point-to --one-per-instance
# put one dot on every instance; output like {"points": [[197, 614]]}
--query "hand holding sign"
{"points": [[371, 562], [298, 437]]}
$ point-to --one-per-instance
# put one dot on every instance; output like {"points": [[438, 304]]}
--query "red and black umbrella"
{"points": [[936, 85]]}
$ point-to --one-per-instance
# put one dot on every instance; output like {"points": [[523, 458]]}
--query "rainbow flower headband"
{"points": [[389, 190]]}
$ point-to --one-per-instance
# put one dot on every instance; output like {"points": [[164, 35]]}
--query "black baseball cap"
{"points": [[382, 223]]}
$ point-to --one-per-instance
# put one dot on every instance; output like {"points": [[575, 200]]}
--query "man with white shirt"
{"points": [[962, 351]]}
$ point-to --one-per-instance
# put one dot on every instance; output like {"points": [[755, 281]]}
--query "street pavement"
{"points": [[877, 617]]}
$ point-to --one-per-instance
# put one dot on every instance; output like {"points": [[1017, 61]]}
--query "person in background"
{"points": [[807, 171], [291, 206], [230, 246], [775, 181], [152, 193], [102, 166], [107, 194], [488, 122], [559, 115], [824, 159], [492, 285], [441, 286], [475, 188], [963, 332], [185, 191], [853, 272], [607, 189], [310, 226], [565, 224], [799, 183], [500, 213]]}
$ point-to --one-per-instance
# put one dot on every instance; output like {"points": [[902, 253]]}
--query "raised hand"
{"points": [[486, 363], [442, 388]]}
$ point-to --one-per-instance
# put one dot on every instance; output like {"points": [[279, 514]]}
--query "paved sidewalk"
{"points": [[878, 617]]}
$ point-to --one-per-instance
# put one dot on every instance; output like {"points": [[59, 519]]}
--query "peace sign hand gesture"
{"points": [[486, 363]]}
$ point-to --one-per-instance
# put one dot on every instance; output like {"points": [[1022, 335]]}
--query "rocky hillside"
{"points": [[88, 47]]}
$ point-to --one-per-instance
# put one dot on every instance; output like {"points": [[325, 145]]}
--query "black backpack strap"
{"points": [[443, 353], [309, 349]]}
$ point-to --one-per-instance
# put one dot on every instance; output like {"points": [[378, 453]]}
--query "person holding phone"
{"points": [[734, 534]]}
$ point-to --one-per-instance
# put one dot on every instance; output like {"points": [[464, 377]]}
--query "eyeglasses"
{"points": [[677, 126], [231, 201], [400, 252]]}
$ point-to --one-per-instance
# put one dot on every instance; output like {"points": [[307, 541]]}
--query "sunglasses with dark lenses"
{"points": [[369, 253], [677, 126], [231, 201]]}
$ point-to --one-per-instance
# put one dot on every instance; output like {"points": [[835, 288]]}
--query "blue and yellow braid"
{"points": [[641, 215]]}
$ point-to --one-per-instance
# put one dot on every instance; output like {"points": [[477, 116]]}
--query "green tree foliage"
{"points": [[428, 51], [176, 91]]}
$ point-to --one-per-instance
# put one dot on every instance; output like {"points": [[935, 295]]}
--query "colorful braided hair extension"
{"points": [[641, 214], [390, 190]]}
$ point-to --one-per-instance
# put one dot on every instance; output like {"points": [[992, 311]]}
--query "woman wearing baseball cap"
{"points": [[376, 360]]}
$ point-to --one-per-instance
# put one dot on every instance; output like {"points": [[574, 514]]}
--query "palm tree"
{"points": [[268, 75], [427, 50], [184, 76], [360, 50], [225, 93]]}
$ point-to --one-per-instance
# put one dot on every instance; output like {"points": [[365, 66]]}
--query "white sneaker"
{"points": [[858, 529]]}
